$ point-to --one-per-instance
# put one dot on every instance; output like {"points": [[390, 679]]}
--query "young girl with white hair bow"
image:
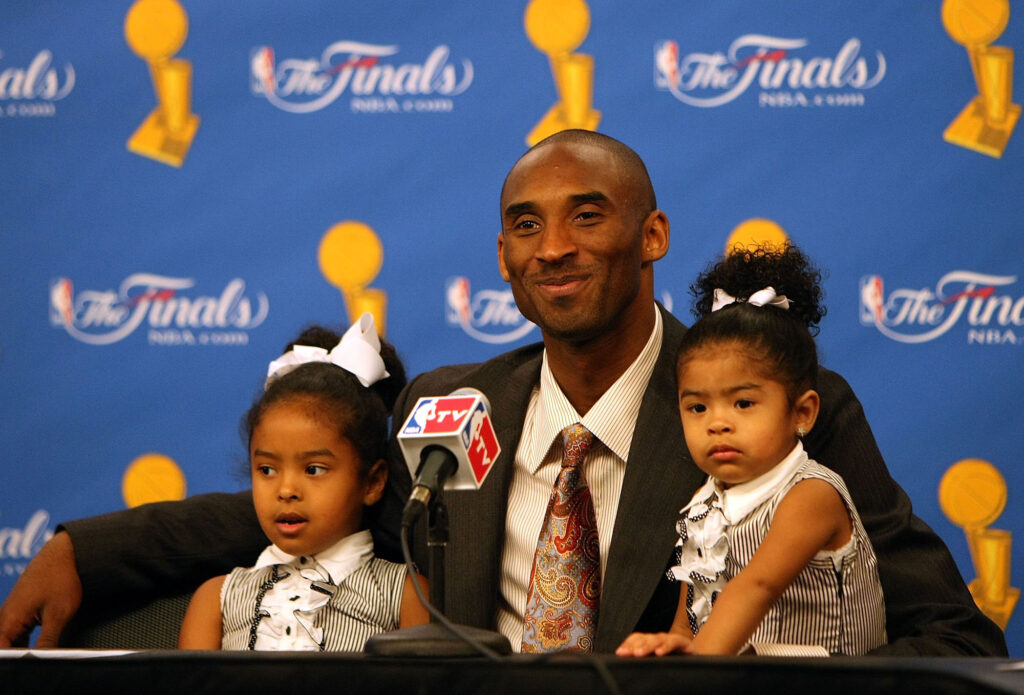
{"points": [[771, 549], [317, 440]]}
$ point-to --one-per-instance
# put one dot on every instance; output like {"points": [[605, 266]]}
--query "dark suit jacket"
{"points": [[658, 482], [164, 547]]}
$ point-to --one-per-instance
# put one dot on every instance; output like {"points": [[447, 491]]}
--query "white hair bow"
{"points": [[765, 297], [358, 352]]}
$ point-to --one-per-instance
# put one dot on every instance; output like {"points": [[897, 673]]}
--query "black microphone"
{"points": [[448, 442], [436, 465]]}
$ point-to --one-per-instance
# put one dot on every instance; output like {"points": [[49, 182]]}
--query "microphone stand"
{"points": [[437, 540], [440, 637]]}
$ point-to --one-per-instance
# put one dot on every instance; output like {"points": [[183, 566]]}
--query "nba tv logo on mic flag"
{"points": [[460, 424]]}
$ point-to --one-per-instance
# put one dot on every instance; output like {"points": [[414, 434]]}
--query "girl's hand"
{"points": [[657, 643]]}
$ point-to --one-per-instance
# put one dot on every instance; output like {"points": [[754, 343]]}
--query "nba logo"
{"points": [[418, 420], [666, 65], [62, 309], [261, 77], [458, 301], [872, 304]]}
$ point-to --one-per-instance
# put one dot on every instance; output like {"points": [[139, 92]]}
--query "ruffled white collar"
{"points": [[739, 500], [337, 562], [703, 545], [288, 614]]}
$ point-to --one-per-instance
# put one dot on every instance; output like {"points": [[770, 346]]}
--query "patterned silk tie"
{"points": [[565, 585]]}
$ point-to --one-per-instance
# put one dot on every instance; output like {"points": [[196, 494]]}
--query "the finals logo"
{"points": [[376, 78], [920, 315], [488, 315], [174, 315], [19, 544], [32, 90], [787, 74]]}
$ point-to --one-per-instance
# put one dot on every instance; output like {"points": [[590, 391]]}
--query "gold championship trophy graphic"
{"points": [[757, 231], [557, 28], [972, 494], [986, 123], [156, 30], [350, 257], [152, 477]]}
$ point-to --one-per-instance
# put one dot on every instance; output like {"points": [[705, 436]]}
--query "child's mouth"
{"points": [[723, 453], [289, 523]]}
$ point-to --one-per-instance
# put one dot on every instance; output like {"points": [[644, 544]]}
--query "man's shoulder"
{"points": [[449, 377], [832, 383]]}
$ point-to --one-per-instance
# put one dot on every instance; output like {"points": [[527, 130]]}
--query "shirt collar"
{"points": [[340, 560], [611, 420], [739, 500]]}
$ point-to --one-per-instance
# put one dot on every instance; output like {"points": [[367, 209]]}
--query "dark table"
{"points": [[188, 673]]}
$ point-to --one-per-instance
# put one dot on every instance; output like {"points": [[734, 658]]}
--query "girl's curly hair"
{"points": [[781, 340]]}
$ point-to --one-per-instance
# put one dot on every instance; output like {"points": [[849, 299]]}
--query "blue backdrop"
{"points": [[154, 265]]}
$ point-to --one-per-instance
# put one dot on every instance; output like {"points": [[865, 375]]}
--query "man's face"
{"points": [[572, 244]]}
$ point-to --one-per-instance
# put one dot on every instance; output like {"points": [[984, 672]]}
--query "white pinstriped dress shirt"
{"points": [[538, 461]]}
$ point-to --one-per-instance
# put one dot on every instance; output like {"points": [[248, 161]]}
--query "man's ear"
{"points": [[656, 236], [376, 479], [501, 257]]}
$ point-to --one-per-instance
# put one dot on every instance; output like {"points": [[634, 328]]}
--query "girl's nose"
{"points": [[288, 489]]}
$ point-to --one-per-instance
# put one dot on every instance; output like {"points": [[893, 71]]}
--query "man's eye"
{"points": [[588, 216], [526, 226]]}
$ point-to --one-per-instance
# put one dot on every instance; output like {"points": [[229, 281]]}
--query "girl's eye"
{"points": [[315, 469], [265, 471], [696, 408], [743, 403]]}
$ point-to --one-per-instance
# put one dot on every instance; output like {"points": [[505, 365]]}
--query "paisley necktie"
{"points": [[565, 584]]}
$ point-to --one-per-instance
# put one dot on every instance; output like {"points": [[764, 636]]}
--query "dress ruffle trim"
{"points": [[287, 615], [700, 556]]}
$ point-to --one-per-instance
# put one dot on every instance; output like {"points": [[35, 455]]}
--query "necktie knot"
{"points": [[576, 440]]}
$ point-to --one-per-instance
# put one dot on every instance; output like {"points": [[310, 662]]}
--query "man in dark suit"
{"points": [[580, 235]]}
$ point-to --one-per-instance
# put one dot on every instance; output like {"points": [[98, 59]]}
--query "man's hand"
{"points": [[48, 593], [657, 643]]}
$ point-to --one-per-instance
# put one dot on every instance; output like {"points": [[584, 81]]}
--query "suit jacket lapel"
{"points": [[660, 478], [477, 520]]}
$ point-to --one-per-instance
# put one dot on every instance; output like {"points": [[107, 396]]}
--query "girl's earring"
{"points": [[800, 432]]}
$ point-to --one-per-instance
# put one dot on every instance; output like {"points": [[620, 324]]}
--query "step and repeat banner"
{"points": [[184, 185]]}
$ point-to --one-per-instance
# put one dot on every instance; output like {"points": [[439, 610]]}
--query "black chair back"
{"points": [[154, 625]]}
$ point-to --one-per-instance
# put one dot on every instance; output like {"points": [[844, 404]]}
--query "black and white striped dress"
{"points": [[836, 602], [298, 606]]}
